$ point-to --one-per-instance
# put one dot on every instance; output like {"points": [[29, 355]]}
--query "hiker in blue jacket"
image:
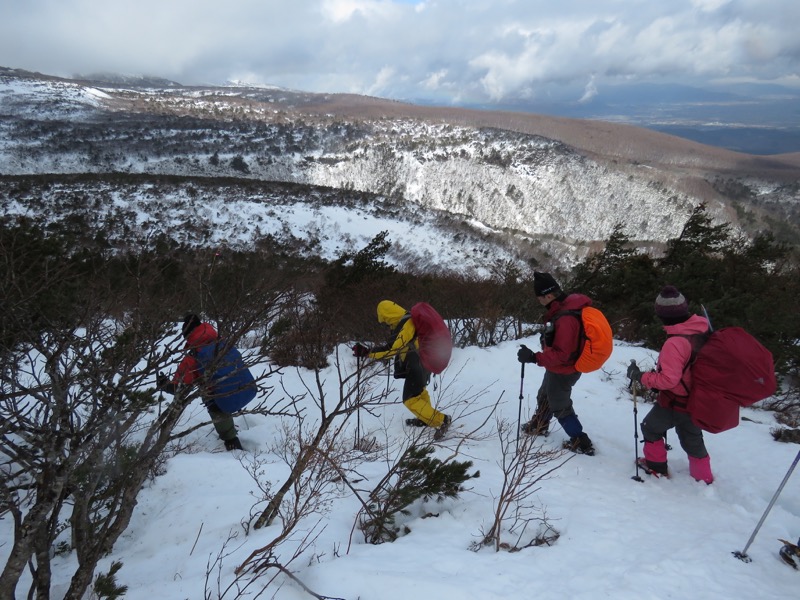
{"points": [[199, 334]]}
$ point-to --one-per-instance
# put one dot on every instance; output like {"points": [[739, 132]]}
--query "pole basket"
{"points": [[742, 556]]}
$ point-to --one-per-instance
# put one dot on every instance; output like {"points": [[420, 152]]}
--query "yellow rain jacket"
{"points": [[391, 314], [415, 396]]}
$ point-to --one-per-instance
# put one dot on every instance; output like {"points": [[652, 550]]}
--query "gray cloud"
{"points": [[444, 50]]}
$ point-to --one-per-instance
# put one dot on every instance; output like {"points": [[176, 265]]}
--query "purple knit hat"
{"points": [[671, 305]]}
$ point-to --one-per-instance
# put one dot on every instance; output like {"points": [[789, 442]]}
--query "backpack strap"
{"points": [[697, 341], [581, 333], [400, 324], [195, 353], [393, 335]]}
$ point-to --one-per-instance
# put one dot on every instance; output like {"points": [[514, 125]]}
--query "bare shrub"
{"points": [[525, 464]]}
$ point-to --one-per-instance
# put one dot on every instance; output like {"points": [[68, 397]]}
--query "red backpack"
{"points": [[435, 342], [730, 368]]}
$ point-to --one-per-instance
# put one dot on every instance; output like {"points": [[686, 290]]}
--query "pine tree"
{"points": [[415, 476], [106, 586]]}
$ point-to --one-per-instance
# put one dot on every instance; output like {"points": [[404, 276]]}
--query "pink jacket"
{"points": [[673, 358]]}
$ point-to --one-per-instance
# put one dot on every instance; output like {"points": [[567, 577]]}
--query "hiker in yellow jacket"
{"points": [[403, 347]]}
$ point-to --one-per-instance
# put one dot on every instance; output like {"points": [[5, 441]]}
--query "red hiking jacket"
{"points": [[190, 369]]}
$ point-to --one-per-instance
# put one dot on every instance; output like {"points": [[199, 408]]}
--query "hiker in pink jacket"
{"points": [[673, 381]]}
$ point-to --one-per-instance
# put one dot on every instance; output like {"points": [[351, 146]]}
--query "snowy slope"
{"points": [[554, 197], [618, 538]]}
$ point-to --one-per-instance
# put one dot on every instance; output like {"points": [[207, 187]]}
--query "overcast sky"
{"points": [[448, 51]]}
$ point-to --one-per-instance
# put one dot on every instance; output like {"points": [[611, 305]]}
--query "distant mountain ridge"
{"points": [[549, 188], [744, 117]]}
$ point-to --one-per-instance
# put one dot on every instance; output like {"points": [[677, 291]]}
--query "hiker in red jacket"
{"points": [[197, 335], [561, 346], [673, 381]]}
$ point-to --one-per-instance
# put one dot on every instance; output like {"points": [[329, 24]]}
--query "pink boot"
{"points": [[655, 455], [700, 469]]}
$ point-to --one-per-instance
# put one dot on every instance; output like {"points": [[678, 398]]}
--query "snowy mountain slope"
{"points": [[619, 539], [135, 212], [523, 183]]}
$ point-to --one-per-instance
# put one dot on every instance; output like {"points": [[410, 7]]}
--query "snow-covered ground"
{"points": [[619, 538]]}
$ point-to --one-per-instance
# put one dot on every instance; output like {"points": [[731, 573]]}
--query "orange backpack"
{"points": [[596, 333]]}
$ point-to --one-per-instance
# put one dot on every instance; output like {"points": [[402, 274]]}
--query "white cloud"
{"points": [[382, 80], [435, 81], [709, 5], [489, 49], [589, 92], [342, 10]]}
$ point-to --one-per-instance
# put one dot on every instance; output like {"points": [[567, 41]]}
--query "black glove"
{"points": [[162, 381], [360, 351], [526, 355], [634, 373]]}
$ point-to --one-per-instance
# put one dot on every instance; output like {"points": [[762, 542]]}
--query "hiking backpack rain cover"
{"points": [[433, 335], [232, 384], [596, 331], [730, 370]]}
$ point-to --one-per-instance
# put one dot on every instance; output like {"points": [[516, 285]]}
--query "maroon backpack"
{"points": [[730, 368], [435, 342]]}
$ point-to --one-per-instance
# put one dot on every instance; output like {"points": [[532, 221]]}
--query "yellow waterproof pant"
{"points": [[420, 405]]}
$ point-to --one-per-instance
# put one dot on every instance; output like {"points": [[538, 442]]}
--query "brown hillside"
{"points": [[600, 139]]}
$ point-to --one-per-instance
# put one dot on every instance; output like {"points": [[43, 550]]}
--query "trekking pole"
{"points": [[743, 554], [358, 402], [160, 395], [635, 427], [705, 314], [519, 412]]}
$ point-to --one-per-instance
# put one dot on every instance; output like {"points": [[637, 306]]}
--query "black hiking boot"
{"points": [[653, 468], [579, 445], [534, 427], [233, 444], [416, 423], [789, 552], [440, 433]]}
